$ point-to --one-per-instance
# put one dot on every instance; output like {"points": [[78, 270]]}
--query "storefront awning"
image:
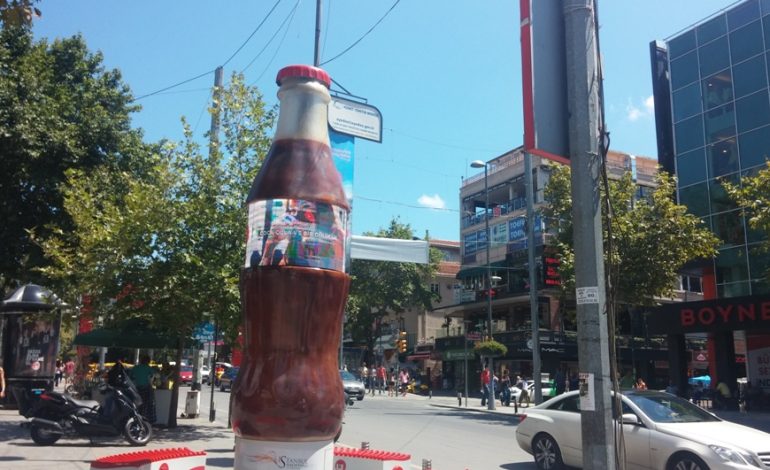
{"points": [[418, 356]]}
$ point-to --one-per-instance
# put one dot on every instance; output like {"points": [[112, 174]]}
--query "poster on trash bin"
{"points": [[33, 345]]}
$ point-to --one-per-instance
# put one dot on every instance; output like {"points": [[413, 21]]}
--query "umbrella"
{"points": [[131, 334]]}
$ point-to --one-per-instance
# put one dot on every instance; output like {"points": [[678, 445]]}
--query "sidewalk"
{"points": [[18, 451]]}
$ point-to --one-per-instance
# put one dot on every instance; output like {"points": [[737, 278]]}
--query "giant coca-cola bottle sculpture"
{"points": [[288, 397]]}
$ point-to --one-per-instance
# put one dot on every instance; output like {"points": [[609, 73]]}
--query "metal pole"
{"points": [[465, 363], [491, 398], [533, 304], [213, 374], [584, 133], [317, 53]]}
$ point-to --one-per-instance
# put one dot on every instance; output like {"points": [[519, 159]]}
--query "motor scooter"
{"points": [[55, 415]]}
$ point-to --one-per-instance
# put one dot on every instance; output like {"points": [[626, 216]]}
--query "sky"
{"points": [[445, 75]]}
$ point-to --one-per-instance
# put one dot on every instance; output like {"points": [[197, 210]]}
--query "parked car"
{"points": [[660, 431], [227, 379], [186, 375], [353, 387]]}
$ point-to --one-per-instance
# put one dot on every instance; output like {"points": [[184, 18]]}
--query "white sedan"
{"points": [[661, 431]]}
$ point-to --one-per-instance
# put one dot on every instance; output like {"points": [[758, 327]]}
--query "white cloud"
{"points": [[434, 202], [644, 109]]}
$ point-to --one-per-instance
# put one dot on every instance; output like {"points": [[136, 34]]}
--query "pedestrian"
{"points": [[403, 378], [560, 382], [364, 371], [59, 373], [505, 393], [69, 371], [381, 378], [627, 381], [391, 382], [143, 376], [372, 379], [640, 384], [485, 379], [521, 384], [2, 382]]}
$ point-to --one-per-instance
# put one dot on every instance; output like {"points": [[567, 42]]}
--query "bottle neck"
{"points": [[304, 111]]}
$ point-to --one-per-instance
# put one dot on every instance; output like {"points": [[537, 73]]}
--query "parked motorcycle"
{"points": [[56, 414]]}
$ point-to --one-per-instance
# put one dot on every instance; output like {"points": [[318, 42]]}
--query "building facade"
{"points": [[712, 105], [505, 212]]}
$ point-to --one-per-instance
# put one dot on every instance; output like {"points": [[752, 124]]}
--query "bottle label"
{"points": [[296, 232]]}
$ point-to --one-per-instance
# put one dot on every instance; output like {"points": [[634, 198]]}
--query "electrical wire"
{"points": [[403, 204], [280, 44], [252, 33], [173, 86], [157, 92], [362, 37], [280, 27]]}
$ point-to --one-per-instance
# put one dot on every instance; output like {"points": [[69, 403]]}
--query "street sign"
{"points": [[204, 332], [473, 336], [356, 119]]}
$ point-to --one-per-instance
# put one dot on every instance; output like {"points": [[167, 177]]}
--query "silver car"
{"points": [[661, 431], [353, 386]]}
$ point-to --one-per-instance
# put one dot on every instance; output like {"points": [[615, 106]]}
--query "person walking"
{"points": [[143, 376], [381, 378], [505, 392], [521, 384], [372, 379], [391, 382], [403, 378], [486, 377]]}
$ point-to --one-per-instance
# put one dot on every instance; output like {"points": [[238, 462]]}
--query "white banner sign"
{"points": [[356, 119]]}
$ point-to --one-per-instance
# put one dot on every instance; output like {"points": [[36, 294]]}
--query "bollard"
{"points": [[364, 445], [427, 464], [459, 399]]}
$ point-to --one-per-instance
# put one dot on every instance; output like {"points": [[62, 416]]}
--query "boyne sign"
{"points": [[736, 313]]}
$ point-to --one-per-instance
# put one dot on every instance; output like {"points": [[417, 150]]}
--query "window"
{"points": [[689, 134], [711, 30], [720, 123], [720, 201], [571, 404], [435, 289], [734, 289], [759, 262], [728, 226], [687, 102], [684, 70], [691, 167], [731, 266], [743, 14], [753, 111], [754, 147], [714, 57], [746, 42], [696, 199], [718, 89], [722, 158], [749, 76], [681, 44]]}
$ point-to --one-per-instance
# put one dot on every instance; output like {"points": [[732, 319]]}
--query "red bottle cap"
{"points": [[306, 71]]}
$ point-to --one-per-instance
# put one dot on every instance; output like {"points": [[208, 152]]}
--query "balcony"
{"points": [[499, 210]]}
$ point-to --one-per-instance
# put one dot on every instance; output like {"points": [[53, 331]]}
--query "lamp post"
{"points": [[481, 164]]}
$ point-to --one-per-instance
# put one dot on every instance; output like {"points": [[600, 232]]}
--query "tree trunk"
{"points": [[174, 402]]}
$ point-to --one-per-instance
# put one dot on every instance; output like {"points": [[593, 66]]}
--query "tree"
{"points": [[59, 110], [18, 12], [652, 238], [753, 195], [381, 288]]}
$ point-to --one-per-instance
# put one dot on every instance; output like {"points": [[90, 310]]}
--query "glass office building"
{"points": [[712, 103]]}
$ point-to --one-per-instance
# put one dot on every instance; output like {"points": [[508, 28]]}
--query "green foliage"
{"points": [[168, 244], [490, 348], [59, 110], [14, 13], [753, 195], [652, 238], [380, 288]]}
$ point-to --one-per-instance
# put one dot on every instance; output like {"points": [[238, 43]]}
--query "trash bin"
{"points": [[162, 402], [192, 405]]}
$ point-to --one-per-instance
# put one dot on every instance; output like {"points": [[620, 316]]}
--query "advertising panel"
{"points": [[469, 244], [499, 234], [356, 119], [34, 343]]}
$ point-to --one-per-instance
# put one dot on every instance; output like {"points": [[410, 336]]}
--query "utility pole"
{"points": [[213, 144], [317, 53], [534, 310], [583, 83]]}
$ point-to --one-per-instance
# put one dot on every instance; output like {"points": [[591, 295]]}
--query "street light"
{"points": [[481, 164]]}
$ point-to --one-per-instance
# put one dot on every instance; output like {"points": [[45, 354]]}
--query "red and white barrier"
{"points": [[180, 458], [347, 458]]}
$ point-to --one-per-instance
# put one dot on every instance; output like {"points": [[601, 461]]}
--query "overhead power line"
{"points": [[285, 20], [212, 70], [362, 37]]}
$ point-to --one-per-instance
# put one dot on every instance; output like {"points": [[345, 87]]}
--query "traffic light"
{"points": [[402, 341]]}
